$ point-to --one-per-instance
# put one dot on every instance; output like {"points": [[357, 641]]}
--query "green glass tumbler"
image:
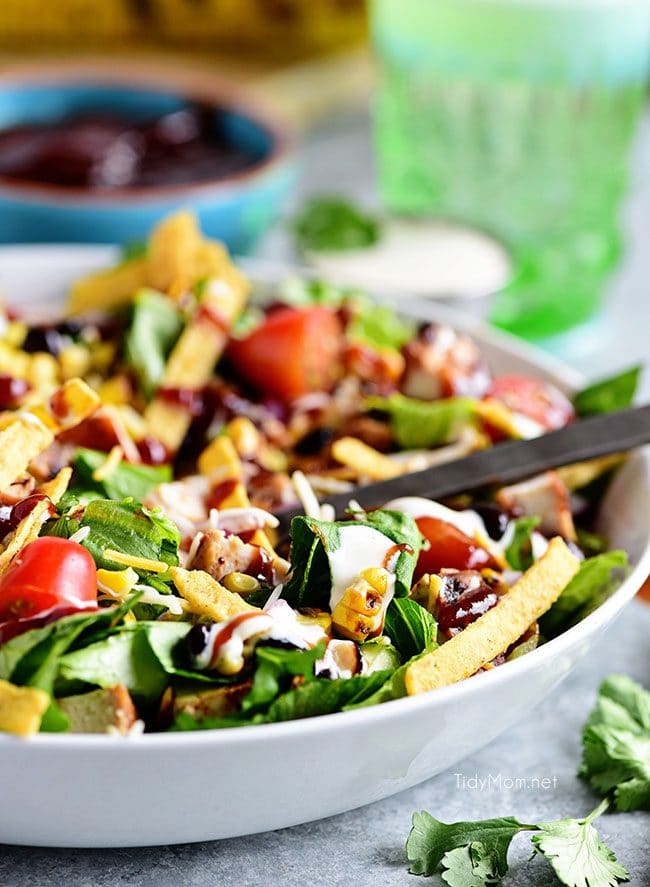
{"points": [[516, 117]]}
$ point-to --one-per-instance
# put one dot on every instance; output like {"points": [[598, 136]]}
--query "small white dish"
{"points": [[101, 791]]}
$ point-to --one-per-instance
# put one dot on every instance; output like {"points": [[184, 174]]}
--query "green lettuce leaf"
{"points": [[519, 553], [411, 628], [593, 583], [608, 395], [420, 424], [130, 528], [313, 540], [331, 223], [154, 327], [125, 481]]}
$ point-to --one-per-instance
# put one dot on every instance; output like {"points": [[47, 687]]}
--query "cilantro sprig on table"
{"points": [[615, 762]]}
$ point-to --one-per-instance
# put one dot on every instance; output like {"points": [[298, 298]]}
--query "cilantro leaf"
{"points": [[334, 224], [578, 856], [470, 866], [430, 839], [616, 743]]}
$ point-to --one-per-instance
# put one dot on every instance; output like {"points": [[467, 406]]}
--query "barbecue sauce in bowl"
{"points": [[104, 152]]}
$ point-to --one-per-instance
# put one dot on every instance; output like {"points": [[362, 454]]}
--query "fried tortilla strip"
{"points": [[56, 487], [21, 709], [496, 630], [220, 462], [206, 596], [26, 531], [192, 361], [29, 432], [108, 289], [364, 460]]}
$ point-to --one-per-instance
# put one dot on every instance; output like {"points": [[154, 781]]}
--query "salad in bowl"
{"points": [[150, 438]]}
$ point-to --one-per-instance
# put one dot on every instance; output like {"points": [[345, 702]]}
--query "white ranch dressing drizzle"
{"points": [[360, 547]]}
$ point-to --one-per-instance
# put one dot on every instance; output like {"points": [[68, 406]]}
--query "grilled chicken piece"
{"points": [[219, 554], [443, 363], [545, 496]]}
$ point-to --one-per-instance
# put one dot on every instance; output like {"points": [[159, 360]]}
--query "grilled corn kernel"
{"points": [[240, 583], [102, 356], [74, 361], [244, 436], [377, 578], [355, 626], [119, 582], [15, 333], [43, 371]]}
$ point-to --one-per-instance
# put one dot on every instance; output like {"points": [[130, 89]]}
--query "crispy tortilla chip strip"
{"points": [[56, 487], [109, 289], [364, 460], [206, 596], [192, 362], [31, 431], [26, 531], [21, 709], [173, 246], [496, 630]]}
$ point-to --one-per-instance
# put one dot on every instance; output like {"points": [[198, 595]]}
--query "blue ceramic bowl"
{"points": [[235, 209]]}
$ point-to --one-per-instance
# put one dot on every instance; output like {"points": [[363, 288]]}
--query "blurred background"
{"points": [[492, 154]]}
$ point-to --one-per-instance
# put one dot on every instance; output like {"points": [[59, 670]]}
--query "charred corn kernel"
{"points": [[364, 460], [220, 455], [74, 361], [43, 371], [21, 709], [109, 465], [115, 391], [15, 333], [320, 618], [14, 362], [138, 563], [426, 591], [244, 436], [377, 577], [360, 612], [240, 583], [117, 582], [272, 458], [355, 626]]}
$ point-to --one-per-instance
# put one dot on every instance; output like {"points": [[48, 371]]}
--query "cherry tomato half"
{"points": [[449, 547], [294, 351], [48, 575], [540, 401]]}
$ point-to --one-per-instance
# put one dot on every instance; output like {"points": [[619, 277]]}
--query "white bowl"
{"points": [[96, 791]]}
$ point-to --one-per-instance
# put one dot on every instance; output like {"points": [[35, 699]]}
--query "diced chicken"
{"points": [[219, 554], [341, 660], [544, 496], [371, 431], [270, 490], [213, 703], [48, 463], [17, 492], [108, 710], [443, 363]]}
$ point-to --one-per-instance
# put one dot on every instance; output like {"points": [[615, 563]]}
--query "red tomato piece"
{"points": [[540, 401], [449, 548], [294, 351], [48, 575]]}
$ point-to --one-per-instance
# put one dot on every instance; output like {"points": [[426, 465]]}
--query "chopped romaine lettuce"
{"points": [[420, 424], [411, 628], [154, 327], [125, 481], [614, 393]]}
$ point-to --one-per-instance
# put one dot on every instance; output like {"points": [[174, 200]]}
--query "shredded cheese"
{"points": [[138, 563], [109, 465]]}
